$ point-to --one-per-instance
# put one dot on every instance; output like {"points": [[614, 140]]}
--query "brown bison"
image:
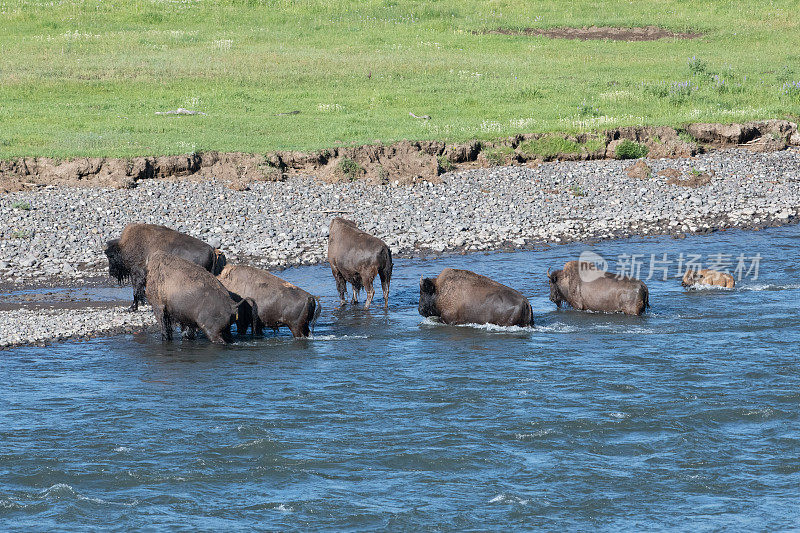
{"points": [[185, 293], [584, 287], [128, 254], [708, 277], [279, 303], [356, 257], [464, 297]]}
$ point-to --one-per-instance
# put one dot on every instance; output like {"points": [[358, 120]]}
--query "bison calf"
{"points": [[464, 297], [184, 293], [278, 302], [356, 257], [128, 254], [585, 288], [708, 277]]}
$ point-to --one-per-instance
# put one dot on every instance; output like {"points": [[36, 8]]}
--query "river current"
{"points": [[684, 418]]}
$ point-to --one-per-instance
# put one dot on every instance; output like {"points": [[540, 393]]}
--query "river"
{"points": [[686, 417]]}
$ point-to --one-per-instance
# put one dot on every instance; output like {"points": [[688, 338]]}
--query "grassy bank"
{"points": [[86, 77]]}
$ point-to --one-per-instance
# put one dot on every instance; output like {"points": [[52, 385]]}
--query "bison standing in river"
{"points": [[356, 257], [708, 277], [585, 288], [279, 303], [182, 292], [464, 297], [128, 254]]}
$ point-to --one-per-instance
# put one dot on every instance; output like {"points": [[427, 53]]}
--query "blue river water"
{"points": [[684, 418]]}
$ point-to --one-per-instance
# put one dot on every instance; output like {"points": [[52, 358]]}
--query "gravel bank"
{"points": [[62, 235], [41, 326]]}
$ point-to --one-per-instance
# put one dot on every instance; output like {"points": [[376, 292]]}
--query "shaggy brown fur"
{"points": [[708, 277], [279, 303], [598, 291], [356, 257], [182, 292], [464, 297], [128, 254]]}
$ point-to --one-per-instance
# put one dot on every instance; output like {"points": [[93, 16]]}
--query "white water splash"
{"points": [[509, 498], [429, 321], [771, 287]]}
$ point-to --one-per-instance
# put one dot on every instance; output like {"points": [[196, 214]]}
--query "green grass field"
{"points": [[86, 77]]}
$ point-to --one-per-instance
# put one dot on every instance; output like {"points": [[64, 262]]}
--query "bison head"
{"points": [[219, 262], [116, 264], [427, 297], [556, 295], [691, 277]]}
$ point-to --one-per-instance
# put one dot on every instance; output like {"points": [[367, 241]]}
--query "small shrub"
{"points": [[785, 74], [659, 90], [686, 137], [680, 91], [791, 89], [549, 146], [697, 66], [25, 206], [445, 165], [577, 191], [20, 234], [631, 150], [657, 139], [349, 168], [383, 174], [498, 155], [587, 110]]}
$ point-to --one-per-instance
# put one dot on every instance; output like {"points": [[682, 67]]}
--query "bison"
{"points": [[584, 287], [356, 257], [708, 277], [128, 254], [464, 297], [279, 303], [183, 292]]}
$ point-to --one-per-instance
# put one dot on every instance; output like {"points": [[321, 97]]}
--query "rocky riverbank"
{"points": [[56, 234]]}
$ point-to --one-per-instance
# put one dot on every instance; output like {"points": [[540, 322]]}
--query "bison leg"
{"points": [[244, 320], [370, 290], [385, 286], [221, 337], [355, 295], [259, 327], [300, 330], [138, 281], [164, 320], [341, 285]]}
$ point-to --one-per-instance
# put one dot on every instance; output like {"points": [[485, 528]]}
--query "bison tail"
{"points": [[117, 268], [646, 297], [314, 310], [529, 320]]}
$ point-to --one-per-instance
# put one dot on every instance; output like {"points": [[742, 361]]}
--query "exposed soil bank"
{"points": [[401, 163]]}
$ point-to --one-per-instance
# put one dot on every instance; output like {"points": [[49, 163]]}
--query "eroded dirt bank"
{"points": [[402, 163]]}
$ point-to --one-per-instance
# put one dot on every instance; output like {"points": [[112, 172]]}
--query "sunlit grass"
{"points": [[86, 78]]}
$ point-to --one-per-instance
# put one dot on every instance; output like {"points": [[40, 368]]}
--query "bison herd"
{"points": [[189, 284]]}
